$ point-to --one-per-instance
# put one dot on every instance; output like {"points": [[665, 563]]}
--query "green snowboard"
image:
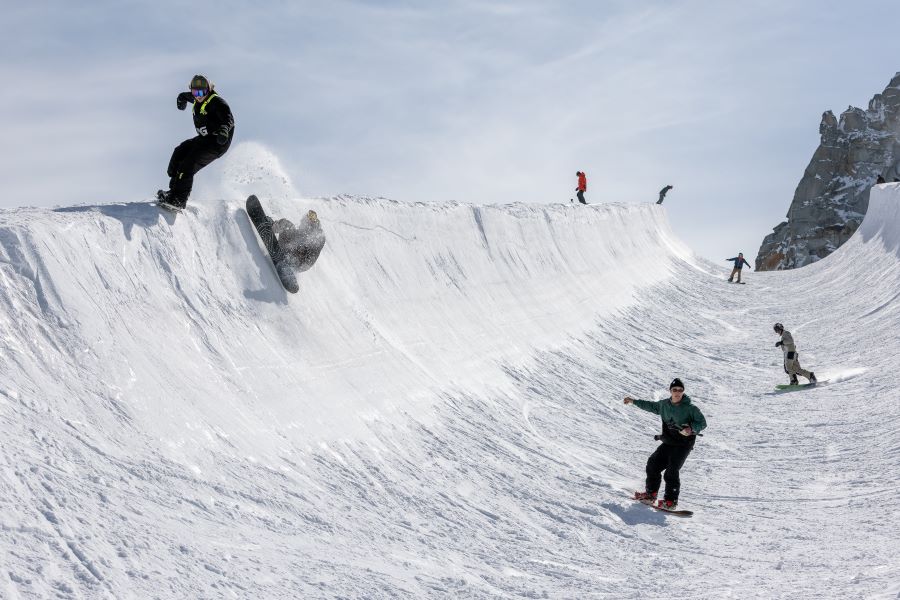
{"points": [[799, 386]]}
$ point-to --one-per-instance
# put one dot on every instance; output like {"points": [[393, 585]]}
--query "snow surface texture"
{"points": [[438, 413]]}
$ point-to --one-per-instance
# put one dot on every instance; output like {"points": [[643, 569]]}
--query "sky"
{"points": [[479, 102]]}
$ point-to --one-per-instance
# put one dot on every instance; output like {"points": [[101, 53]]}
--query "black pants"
{"points": [[580, 195], [189, 157], [670, 459]]}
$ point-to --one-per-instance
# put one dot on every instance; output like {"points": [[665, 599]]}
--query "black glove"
{"points": [[778, 344], [183, 98], [222, 138]]}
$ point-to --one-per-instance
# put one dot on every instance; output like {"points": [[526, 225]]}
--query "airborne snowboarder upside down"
{"points": [[300, 245], [681, 422], [215, 130], [290, 248]]}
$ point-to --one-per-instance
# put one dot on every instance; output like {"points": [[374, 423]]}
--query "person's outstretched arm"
{"points": [[643, 404]]}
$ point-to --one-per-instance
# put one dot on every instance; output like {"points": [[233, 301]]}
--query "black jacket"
{"points": [[212, 117]]}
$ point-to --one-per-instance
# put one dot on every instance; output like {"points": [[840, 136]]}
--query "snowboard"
{"points": [[263, 226], [740, 282], [676, 512], [799, 386]]}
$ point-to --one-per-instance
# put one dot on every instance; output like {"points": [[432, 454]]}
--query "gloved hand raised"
{"points": [[779, 344], [183, 99]]}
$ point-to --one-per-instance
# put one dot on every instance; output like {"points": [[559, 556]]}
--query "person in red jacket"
{"points": [[582, 186]]}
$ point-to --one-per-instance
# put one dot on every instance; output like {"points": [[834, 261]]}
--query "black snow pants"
{"points": [[580, 195], [189, 157], [670, 459]]}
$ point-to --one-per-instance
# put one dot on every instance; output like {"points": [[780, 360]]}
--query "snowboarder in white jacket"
{"points": [[791, 356]]}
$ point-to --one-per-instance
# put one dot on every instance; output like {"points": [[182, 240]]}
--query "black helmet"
{"points": [[201, 82], [779, 327]]}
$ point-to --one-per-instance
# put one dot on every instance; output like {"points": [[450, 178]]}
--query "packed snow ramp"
{"points": [[438, 412]]}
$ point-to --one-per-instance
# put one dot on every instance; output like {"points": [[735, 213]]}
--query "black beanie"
{"points": [[676, 383]]}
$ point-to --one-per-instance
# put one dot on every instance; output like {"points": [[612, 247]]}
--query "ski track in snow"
{"points": [[438, 413]]}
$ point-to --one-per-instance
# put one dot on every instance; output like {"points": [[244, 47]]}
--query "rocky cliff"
{"points": [[833, 195]]}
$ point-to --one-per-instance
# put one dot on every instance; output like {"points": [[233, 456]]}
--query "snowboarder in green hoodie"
{"points": [[681, 422]]}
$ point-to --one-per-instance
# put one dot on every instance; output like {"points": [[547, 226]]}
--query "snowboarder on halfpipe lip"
{"points": [[791, 356], [582, 186], [215, 130], [663, 192], [681, 422]]}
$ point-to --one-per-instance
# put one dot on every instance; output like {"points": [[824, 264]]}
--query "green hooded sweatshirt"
{"points": [[675, 417]]}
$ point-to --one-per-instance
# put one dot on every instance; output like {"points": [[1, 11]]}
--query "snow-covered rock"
{"points": [[833, 194]]}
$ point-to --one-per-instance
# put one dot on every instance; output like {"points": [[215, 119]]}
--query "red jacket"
{"points": [[582, 182]]}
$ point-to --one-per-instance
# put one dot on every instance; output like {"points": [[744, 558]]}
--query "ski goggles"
{"points": [[198, 93], [676, 389]]}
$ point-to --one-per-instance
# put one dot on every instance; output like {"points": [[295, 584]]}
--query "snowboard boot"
{"points": [[170, 200], [667, 504], [645, 496], [794, 380], [812, 377], [730, 280]]}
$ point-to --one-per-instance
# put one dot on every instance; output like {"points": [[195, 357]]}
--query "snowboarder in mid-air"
{"points": [[292, 248], [663, 192], [582, 186], [681, 422], [301, 244], [739, 263], [215, 130], [791, 356]]}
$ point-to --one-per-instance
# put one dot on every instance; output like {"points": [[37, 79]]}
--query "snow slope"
{"points": [[438, 413]]}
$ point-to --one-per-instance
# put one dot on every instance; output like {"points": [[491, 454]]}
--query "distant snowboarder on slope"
{"points": [[681, 422], [791, 356], [663, 192], [215, 130], [739, 262], [582, 186]]}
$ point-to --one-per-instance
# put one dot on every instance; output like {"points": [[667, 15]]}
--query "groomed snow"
{"points": [[438, 413]]}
